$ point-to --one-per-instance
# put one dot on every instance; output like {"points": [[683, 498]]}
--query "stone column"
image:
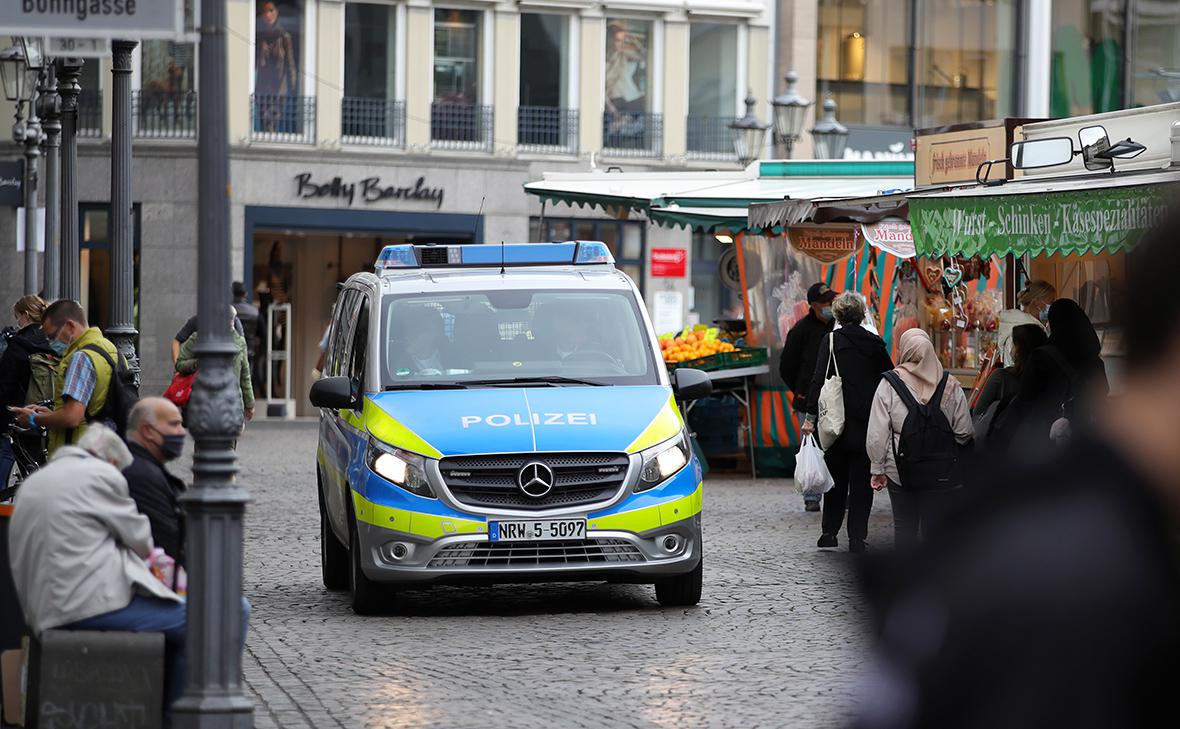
{"points": [[122, 331]]}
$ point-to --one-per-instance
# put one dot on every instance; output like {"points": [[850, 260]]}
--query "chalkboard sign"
{"points": [[12, 177], [97, 680]]}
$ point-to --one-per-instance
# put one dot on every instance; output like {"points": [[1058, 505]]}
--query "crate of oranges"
{"points": [[702, 350]]}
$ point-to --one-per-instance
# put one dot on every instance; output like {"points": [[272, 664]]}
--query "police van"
{"points": [[501, 414]]}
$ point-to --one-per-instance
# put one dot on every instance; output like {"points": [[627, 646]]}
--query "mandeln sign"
{"points": [[1069, 222]]}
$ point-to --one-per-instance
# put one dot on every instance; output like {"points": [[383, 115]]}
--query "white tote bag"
{"points": [[830, 423]]}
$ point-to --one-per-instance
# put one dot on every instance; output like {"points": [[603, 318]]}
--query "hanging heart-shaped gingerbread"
{"points": [[952, 276], [933, 273]]}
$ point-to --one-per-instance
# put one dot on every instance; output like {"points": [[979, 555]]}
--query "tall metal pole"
{"points": [[70, 71], [213, 694], [31, 136], [50, 111], [121, 330]]}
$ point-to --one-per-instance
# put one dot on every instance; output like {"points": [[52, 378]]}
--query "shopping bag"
{"points": [[830, 422], [181, 389], [811, 472]]}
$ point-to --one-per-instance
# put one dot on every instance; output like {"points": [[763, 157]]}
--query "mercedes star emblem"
{"points": [[535, 480]]}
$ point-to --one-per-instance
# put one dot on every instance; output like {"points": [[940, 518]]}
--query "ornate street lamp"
{"points": [[789, 111], [15, 75], [34, 52], [830, 135], [748, 134]]}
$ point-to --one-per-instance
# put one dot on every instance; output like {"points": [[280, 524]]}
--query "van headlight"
{"points": [[405, 469], [660, 462]]}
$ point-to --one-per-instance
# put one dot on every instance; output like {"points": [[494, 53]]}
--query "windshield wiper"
{"points": [[552, 380], [426, 386]]}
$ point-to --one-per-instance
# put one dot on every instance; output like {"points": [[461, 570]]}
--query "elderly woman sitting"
{"points": [[861, 357]]}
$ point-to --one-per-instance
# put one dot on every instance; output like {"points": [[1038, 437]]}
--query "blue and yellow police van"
{"points": [[501, 414]]}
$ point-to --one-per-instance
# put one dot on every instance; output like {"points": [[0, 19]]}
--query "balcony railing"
{"points": [[547, 130], [163, 115], [709, 137], [90, 113], [632, 134], [282, 118], [461, 126], [378, 122]]}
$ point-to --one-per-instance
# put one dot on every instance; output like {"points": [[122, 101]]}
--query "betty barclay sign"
{"points": [[1082, 221], [825, 243], [369, 190]]}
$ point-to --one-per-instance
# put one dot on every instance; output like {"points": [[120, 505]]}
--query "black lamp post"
{"points": [[748, 134], [830, 135], [19, 69], [789, 111]]}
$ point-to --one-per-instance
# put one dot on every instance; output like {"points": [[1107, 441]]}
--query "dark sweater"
{"points": [[14, 368], [157, 496], [862, 358], [797, 363]]}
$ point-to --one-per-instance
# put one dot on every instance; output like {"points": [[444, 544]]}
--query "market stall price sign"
{"points": [[1068, 222], [825, 243], [669, 262]]}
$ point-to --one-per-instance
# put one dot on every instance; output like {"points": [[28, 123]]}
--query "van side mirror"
{"points": [[335, 393], [1035, 153], [690, 384], [1095, 141]]}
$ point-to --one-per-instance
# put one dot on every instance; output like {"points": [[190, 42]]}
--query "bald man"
{"points": [[156, 435]]}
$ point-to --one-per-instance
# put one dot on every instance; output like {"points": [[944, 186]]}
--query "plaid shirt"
{"points": [[81, 378]]}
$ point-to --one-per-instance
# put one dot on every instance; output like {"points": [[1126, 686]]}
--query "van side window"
{"points": [[360, 343], [336, 360]]}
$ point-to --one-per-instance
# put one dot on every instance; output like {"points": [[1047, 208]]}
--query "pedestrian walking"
{"points": [[1002, 385], [251, 321], [26, 371], [1056, 379], [155, 436], [82, 381], [78, 548], [918, 421], [190, 328], [186, 364], [800, 349], [861, 358], [1052, 602]]}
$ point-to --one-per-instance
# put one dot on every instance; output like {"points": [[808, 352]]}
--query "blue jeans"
{"points": [[155, 615], [7, 460]]}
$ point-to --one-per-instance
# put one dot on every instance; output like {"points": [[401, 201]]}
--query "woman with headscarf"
{"points": [[916, 505], [1056, 378]]}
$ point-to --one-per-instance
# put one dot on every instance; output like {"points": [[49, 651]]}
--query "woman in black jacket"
{"points": [[14, 369], [862, 358]]}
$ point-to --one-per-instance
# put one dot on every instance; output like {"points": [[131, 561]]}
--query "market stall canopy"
{"points": [[856, 207], [1065, 215], [710, 201]]}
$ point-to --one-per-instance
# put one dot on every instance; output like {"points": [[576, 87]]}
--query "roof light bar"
{"points": [[579, 253]]}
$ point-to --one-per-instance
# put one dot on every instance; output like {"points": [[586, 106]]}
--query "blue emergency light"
{"points": [[580, 252]]}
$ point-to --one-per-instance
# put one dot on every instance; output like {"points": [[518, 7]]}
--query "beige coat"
{"points": [[77, 543], [887, 415]]}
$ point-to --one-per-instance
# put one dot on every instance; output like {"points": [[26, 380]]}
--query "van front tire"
{"points": [[333, 554], [682, 590], [368, 597]]}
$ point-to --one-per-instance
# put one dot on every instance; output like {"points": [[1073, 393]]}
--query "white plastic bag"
{"points": [[830, 422], [811, 472]]}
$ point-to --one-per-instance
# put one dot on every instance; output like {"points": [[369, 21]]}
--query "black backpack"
{"points": [[926, 454], [121, 395]]}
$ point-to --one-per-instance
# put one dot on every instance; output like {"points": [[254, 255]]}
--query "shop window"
{"points": [[965, 64], [626, 239], [456, 56], [166, 103], [1087, 61], [95, 237], [279, 106], [544, 117], [862, 50], [628, 66], [712, 87], [1156, 53], [370, 107]]}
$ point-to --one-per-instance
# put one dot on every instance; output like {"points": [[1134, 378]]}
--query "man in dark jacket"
{"points": [[1052, 601], [248, 315], [800, 349], [155, 435], [24, 342]]}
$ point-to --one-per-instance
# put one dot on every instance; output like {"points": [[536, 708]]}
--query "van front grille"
{"points": [[494, 481], [533, 554]]}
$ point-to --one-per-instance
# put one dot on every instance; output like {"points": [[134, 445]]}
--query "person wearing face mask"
{"points": [[800, 351], [82, 380], [1034, 300], [16, 369], [155, 436]]}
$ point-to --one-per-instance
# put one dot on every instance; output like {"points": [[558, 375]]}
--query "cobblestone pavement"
{"points": [[777, 640]]}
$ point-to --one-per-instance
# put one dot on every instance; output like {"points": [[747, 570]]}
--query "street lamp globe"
{"points": [[831, 137], [33, 48], [749, 133], [14, 74], [789, 111]]}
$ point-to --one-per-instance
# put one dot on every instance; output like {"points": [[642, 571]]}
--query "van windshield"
{"points": [[489, 338]]}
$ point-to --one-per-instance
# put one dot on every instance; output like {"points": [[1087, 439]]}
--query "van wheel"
{"points": [[368, 597], [682, 590], [333, 555]]}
